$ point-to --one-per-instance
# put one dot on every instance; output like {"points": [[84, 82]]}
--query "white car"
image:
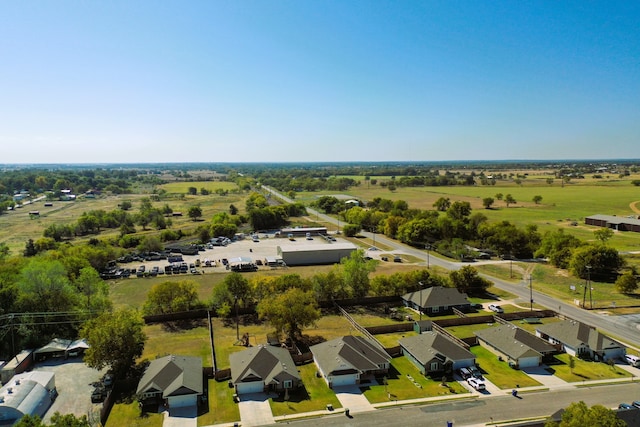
{"points": [[476, 383], [496, 308]]}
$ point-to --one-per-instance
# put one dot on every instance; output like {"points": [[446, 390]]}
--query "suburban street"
{"points": [[479, 412]]}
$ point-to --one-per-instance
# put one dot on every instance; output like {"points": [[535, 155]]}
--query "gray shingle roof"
{"points": [[514, 342], [574, 334], [173, 376], [437, 296], [349, 354], [268, 364], [426, 346]]}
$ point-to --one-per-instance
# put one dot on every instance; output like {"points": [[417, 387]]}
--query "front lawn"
{"points": [[499, 372], [128, 414], [222, 408], [393, 339], [315, 395], [585, 370], [406, 382]]}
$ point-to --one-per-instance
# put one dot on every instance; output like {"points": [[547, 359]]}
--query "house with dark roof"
{"points": [[436, 300], [517, 346], [579, 339], [263, 368], [349, 359], [435, 355], [175, 381]]}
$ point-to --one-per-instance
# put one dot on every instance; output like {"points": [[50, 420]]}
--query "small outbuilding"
{"points": [[315, 253]]}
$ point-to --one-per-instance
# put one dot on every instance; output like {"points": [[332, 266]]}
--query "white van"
{"points": [[632, 360]]}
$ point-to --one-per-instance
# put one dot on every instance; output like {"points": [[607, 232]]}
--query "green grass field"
{"points": [[586, 370], [499, 372]]}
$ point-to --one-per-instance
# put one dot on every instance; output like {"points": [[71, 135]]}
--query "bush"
{"points": [[350, 230]]}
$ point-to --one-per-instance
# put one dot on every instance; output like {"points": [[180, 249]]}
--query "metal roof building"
{"points": [[312, 254], [28, 393]]}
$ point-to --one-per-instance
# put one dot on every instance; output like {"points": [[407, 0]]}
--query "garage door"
{"points": [[528, 362], [251, 387], [340, 380], [182, 401]]}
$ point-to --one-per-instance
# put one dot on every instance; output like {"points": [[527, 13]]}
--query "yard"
{"points": [[406, 382], [221, 409], [315, 395], [499, 372], [128, 414], [585, 370]]}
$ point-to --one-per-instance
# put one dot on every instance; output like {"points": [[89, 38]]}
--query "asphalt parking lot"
{"points": [[246, 248], [74, 382]]}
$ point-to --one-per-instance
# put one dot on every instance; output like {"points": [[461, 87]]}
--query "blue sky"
{"points": [[231, 81]]}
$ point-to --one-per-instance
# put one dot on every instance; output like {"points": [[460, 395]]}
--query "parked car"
{"points": [[97, 396], [475, 372], [632, 360], [625, 406], [496, 308], [107, 380], [465, 373], [636, 404], [476, 383]]}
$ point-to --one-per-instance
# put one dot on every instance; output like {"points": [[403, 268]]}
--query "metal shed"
{"points": [[312, 254]]}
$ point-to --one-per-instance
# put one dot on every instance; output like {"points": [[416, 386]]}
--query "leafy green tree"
{"points": [[94, 290], [597, 262], [45, 287], [290, 311], [509, 200], [351, 230], [30, 421], [537, 199], [627, 283], [487, 202], [171, 297], [603, 235], [195, 212], [558, 247], [125, 205], [467, 280], [192, 191], [578, 414], [116, 340], [459, 210], [233, 210], [329, 286], [499, 196], [30, 248], [150, 243], [442, 204], [355, 273]]}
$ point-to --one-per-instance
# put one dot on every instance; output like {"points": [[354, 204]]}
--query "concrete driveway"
{"points": [[255, 410], [181, 417], [351, 397], [544, 377]]}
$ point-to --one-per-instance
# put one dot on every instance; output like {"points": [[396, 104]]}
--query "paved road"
{"points": [[474, 412]]}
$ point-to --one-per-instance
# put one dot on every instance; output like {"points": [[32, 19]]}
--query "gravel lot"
{"points": [[74, 382]]}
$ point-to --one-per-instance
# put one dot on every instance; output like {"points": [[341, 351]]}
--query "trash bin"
{"points": [[346, 411], [514, 392], [329, 407]]}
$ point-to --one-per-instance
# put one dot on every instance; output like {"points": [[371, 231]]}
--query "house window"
{"points": [[433, 366], [381, 366], [287, 384], [435, 309]]}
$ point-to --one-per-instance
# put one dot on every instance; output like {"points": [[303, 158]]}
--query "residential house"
{"points": [[517, 346], [579, 339], [435, 355], [349, 359], [175, 381], [437, 300], [263, 368]]}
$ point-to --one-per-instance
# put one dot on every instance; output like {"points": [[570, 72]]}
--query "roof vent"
{"points": [[1, 399], [17, 382], [10, 390]]}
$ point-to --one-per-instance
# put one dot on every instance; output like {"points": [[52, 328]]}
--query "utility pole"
{"points": [[531, 292], [420, 308], [589, 284]]}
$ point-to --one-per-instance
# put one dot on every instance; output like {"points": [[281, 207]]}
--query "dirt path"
{"points": [[634, 208]]}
